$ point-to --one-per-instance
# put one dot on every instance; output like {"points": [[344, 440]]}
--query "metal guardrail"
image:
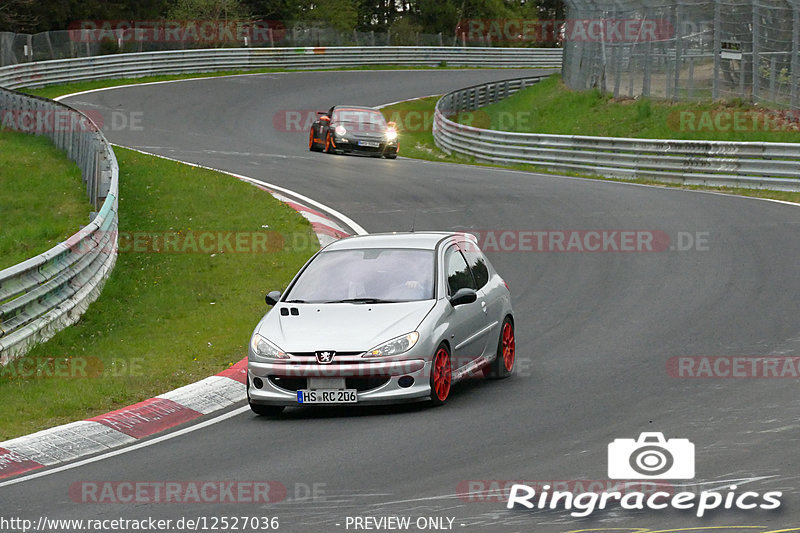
{"points": [[48, 292], [184, 61], [753, 165]]}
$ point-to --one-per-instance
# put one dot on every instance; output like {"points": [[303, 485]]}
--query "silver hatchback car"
{"points": [[382, 318]]}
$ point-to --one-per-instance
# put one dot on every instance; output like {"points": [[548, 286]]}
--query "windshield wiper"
{"points": [[361, 301], [294, 302]]}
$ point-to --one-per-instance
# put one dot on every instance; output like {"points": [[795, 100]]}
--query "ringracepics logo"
{"points": [[650, 457]]}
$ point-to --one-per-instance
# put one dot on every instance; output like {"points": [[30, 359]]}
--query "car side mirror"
{"points": [[325, 118], [463, 296], [273, 297]]}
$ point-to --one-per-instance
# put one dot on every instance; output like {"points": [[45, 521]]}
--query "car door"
{"points": [[468, 333], [488, 292]]}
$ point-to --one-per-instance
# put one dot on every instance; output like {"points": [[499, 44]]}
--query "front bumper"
{"points": [[352, 146], [376, 382]]}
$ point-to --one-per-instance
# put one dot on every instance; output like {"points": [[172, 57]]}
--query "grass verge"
{"points": [[163, 319], [551, 107], [42, 197], [414, 119]]}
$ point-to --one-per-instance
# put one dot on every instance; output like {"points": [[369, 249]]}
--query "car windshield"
{"points": [[364, 117], [372, 275]]}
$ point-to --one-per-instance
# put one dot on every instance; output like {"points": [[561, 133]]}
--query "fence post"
{"points": [[678, 42], [755, 90], [717, 50], [795, 51]]}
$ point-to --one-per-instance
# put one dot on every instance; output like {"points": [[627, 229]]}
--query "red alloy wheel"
{"points": [[509, 346], [441, 374]]}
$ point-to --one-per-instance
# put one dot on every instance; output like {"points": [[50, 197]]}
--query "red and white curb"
{"points": [[124, 426]]}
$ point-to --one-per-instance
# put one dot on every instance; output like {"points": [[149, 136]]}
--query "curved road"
{"points": [[595, 332]]}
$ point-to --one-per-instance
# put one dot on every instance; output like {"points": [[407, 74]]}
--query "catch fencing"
{"points": [[16, 48], [686, 49]]}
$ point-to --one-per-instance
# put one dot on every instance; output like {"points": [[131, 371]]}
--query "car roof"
{"points": [[423, 240]]}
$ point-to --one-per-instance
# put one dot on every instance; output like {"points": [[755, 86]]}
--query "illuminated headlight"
{"points": [[263, 350], [391, 134], [340, 130], [395, 346]]}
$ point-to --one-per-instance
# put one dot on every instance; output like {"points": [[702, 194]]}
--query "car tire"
{"points": [[503, 364], [313, 146], [441, 375], [329, 149], [391, 156]]}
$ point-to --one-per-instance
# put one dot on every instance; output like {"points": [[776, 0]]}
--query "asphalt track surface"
{"points": [[594, 333]]}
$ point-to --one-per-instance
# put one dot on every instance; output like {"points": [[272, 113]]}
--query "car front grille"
{"points": [[361, 384], [289, 383], [313, 355], [365, 384]]}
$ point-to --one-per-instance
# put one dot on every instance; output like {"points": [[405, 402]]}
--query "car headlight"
{"points": [[391, 134], [340, 130], [263, 350], [395, 346]]}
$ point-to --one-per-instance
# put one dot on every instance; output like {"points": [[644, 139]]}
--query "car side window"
{"points": [[458, 273], [477, 262]]}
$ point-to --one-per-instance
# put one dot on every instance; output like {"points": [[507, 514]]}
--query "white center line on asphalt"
{"points": [[120, 451]]}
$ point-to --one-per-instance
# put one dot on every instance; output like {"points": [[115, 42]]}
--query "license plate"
{"points": [[369, 144], [327, 396]]}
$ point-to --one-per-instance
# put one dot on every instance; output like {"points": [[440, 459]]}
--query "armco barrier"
{"points": [[756, 165], [48, 292], [183, 61]]}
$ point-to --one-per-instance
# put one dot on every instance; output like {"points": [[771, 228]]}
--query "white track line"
{"points": [[121, 451]]}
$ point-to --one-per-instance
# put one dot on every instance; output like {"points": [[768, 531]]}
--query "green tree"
{"points": [[216, 10], [15, 15], [339, 14], [404, 31]]}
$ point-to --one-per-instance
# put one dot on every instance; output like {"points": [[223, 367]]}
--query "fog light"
{"points": [[257, 383], [405, 381]]}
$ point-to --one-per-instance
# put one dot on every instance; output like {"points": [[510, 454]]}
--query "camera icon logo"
{"points": [[651, 457]]}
